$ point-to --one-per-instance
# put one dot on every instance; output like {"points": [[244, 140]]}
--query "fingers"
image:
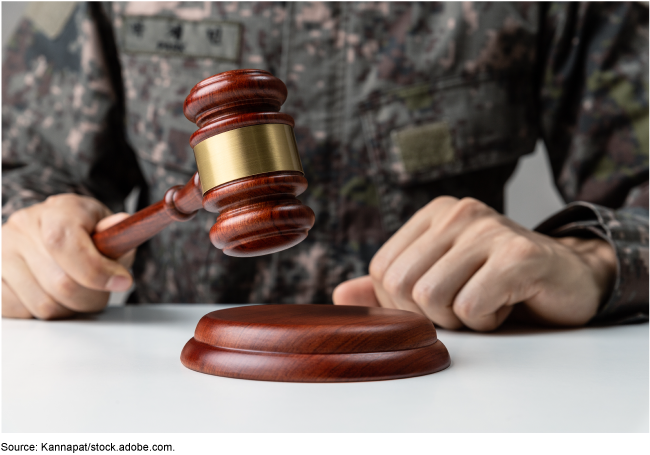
{"points": [[407, 234], [67, 240], [127, 259], [406, 255], [358, 291], [513, 272], [17, 276], [436, 289], [462, 264], [362, 291], [398, 280], [11, 306], [488, 297], [87, 211], [413, 250], [59, 285], [388, 301], [51, 267]]}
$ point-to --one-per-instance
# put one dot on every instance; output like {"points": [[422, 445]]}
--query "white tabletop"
{"points": [[119, 371]]}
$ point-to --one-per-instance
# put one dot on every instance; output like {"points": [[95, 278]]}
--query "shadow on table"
{"points": [[151, 314], [509, 328]]}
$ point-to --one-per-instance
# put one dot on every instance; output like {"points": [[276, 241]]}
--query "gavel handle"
{"points": [[179, 204]]}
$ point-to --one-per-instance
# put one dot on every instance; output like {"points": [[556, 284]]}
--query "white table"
{"points": [[119, 371]]}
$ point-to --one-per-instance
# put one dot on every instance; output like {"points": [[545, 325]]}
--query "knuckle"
{"points": [[65, 287], [437, 204], [54, 235], [377, 267], [97, 303], [19, 218], [443, 200], [522, 247], [486, 327], [464, 308], [15, 312], [46, 309], [393, 284], [487, 225], [425, 294], [68, 203], [466, 208], [94, 275], [470, 207], [58, 200]]}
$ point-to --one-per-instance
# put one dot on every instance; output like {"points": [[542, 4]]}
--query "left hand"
{"points": [[461, 263]]}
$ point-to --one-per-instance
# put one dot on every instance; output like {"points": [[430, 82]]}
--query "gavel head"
{"points": [[248, 163]]}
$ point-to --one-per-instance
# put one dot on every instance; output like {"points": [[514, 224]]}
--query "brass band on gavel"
{"points": [[244, 152]]}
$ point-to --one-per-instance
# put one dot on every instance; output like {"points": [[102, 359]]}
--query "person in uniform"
{"points": [[410, 119]]}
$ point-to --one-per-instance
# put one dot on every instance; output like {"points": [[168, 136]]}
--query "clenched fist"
{"points": [[50, 266], [460, 263]]}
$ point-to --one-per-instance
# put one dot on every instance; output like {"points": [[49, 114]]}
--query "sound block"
{"points": [[314, 343]]}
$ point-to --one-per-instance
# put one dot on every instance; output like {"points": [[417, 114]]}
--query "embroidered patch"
{"points": [[172, 36], [50, 17], [425, 146]]}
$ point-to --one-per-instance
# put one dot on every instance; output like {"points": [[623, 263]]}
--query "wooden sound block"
{"points": [[315, 343]]}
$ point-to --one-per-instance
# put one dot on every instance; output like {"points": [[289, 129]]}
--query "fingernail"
{"points": [[118, 283]]}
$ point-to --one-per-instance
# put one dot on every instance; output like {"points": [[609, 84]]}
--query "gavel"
{"points": [[249, 172]]}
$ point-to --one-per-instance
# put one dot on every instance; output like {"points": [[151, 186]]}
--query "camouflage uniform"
{"points": [[395, 104]]}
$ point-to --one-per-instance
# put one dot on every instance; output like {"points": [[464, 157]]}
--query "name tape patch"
{"points": [[424, 147], [172, 36]]}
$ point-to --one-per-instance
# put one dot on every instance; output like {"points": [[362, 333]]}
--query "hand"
{"points": [[460, 263], [50, 266]]}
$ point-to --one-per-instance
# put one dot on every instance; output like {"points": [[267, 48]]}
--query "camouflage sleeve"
{"points": [[626, 230], [594, 121], [61, 110]]}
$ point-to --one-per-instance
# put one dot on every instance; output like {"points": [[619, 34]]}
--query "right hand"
{"points": [[50, 266]]}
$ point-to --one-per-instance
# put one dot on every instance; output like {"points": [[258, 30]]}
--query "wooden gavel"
{"points": [[249, 172]]}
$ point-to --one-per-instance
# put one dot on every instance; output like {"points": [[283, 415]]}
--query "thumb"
{"points": [[127, 258], [110, 220], [358, 291]]}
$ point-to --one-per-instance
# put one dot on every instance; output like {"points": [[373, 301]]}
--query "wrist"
{"points": [[600, 259]]}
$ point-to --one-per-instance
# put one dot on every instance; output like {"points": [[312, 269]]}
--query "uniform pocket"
{"points": [[443, 128]]}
